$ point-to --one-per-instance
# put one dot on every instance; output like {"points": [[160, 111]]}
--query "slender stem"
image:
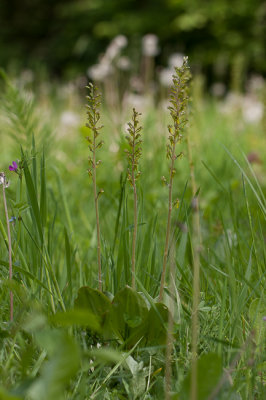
{"points": [[94, 101], [18, 219], [195, 321], [135, 224], [133, 173], [9, 250], [165, 255], [169, 343], [196, 277], [97, 215]]}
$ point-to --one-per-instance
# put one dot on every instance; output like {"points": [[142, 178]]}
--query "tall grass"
{"points": [[49, 353]]}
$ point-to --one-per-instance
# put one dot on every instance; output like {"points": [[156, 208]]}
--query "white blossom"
{"points": [[123, 63], [255, 84], [99, 72], [252, 110], [150, 45], [166, 76], [176, 60], [120, 41], [69, 119]]}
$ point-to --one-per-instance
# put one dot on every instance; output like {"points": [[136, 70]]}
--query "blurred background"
{"points": [[65, 38]]}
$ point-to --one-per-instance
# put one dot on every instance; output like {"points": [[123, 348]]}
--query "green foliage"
{"points": [[111, 344], [134, 141], [126, 319], [64, 361], [178, 108], [211, 34], [209, 371], [93, 301], [93, 113], [127, 313]]}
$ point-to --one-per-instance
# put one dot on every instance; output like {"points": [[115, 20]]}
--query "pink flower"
{"points": [[13, 167]]}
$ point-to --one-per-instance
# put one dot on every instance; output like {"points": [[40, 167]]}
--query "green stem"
{"points": [[135, 225], [9, 250], [97, 215], [165, 255], [196, 241]]}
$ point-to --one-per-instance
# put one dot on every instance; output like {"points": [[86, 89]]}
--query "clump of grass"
{"points": [[178, 107], [133, 155], [93, 113]]}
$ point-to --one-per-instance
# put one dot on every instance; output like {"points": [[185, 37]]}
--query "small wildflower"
{"points": [[3, 180], [99, 72], [165, 76], [150, 45], [13, 167], [176, 60], [264, 318], [120, 41]]}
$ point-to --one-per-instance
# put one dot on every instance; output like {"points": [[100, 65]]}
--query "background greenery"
{"points": [[45, 353], [94, 350], [66, 36]]}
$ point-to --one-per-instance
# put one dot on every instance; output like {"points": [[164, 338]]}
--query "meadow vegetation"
{"points": [[111, 301]]}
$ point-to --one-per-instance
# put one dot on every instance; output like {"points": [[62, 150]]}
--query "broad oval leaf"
{"points": [[127, 313], [209, 372], [154, 328], [92, 300]]}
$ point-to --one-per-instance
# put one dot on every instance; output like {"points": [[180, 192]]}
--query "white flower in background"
{"points": [[218, 89], [99, 72], [2, 178], [123, 63], [111, 53], [166, 76], [120, 41], [150, 45], [250, 107], [231, 103], [69, 119], [252, 110], [137, 101], [176, 60], [255, 84], [136, 83], [114, 48]]}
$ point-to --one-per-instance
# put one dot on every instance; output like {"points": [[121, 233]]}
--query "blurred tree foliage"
{"points": [[67, 35]]}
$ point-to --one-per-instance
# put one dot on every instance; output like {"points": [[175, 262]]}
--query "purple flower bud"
{"points": [[264, 318], [13, 167]]}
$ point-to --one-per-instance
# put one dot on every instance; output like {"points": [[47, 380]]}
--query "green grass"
{"points": [[54, 241]]}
